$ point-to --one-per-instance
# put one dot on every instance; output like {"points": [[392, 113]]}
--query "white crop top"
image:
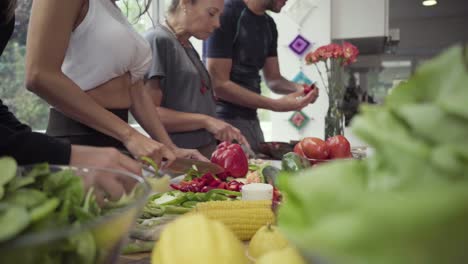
{"points": [[105, 46]]}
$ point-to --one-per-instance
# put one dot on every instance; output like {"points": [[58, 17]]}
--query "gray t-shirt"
{"points": [[182, 74]]}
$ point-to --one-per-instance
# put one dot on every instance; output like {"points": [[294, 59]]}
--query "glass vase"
{"points": [[335, 119]]}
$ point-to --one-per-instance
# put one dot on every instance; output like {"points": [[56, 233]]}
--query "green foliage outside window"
{"points": [[29, 108]]}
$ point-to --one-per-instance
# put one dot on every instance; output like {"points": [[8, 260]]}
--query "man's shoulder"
{"points": [[234, 6], [270, 19]]}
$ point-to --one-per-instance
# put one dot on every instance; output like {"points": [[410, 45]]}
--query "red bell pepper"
{"points": [[232, 158], [308, 89]]}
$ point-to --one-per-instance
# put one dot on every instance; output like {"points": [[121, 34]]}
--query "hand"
{"points": [[140, 145], [223, 131], [294, 101], [112, 184], [189, 154], [310, 89]]}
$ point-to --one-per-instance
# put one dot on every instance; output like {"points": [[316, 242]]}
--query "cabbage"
{"points": [[408, 203]]}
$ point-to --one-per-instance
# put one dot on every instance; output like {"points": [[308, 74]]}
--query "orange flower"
{"points": [[347, 53], [335, 50], [312, 58], [350, 53], [324, 53]]}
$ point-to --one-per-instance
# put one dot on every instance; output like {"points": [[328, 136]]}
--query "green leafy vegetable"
{"points": [[26, 197], [408, 202], [8, 166], [45, 209], [42, 200], [30, 178], [13, 220]]}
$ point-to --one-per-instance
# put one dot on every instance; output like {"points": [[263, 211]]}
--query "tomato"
{"points": [[338, 147], [314, 148], [298, 150]]}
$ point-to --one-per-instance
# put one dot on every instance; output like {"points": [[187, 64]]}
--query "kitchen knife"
{"points": [[247, 150], [181, 165]]}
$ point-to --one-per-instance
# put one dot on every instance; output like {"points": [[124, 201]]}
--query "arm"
{"points": [[271, 70], [30, 148], [275, 81], [219, 69], [146, 114], [227, 90], [176, 121], [27, 147]]}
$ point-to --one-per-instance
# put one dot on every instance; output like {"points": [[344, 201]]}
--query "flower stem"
{"points": [[321, 77]]}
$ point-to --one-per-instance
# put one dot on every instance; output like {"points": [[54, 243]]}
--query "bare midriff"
{"points": [[114, 94]]}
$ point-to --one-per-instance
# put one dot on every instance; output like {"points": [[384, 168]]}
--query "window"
{"points": [[27, 107], [131, 9]]}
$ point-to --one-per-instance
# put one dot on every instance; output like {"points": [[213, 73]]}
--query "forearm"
{"points": [[62, 93], [29, 147], [176, 121], [282, 86], [234, 93], [146, 114]]}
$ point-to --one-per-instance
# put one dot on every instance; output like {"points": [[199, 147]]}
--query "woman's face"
{"points": [[202, 17]]}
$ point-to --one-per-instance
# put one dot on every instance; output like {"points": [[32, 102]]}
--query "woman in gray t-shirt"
{"points": [[178, 81]]}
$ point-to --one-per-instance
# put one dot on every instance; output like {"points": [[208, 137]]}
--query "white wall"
{"points": [[317, 29]]}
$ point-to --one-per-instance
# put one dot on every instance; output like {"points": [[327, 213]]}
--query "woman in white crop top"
{"points": [[85, 59]]}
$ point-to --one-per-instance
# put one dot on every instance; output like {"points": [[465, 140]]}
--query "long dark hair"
{"points": [[7, 11]]}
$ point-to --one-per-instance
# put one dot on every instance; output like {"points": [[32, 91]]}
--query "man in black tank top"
{"points": [[245, 44]]}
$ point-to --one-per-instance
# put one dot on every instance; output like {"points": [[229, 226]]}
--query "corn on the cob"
{"points": [[244, 218]]}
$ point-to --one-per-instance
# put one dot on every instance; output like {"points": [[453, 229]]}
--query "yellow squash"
{"points": [[268, 238], [195, 239], [287, 255]]}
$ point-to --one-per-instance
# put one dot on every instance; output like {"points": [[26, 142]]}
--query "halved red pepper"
{"points": [[232, 158]]}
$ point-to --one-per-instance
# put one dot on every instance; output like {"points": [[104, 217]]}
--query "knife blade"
{"points": [[247, 150], [181, 165]]}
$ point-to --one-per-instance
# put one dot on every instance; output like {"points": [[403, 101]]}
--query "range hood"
{"points": [[363, 23]]}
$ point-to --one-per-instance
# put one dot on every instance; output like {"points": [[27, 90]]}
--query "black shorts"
{"points": [[63, 127]]}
